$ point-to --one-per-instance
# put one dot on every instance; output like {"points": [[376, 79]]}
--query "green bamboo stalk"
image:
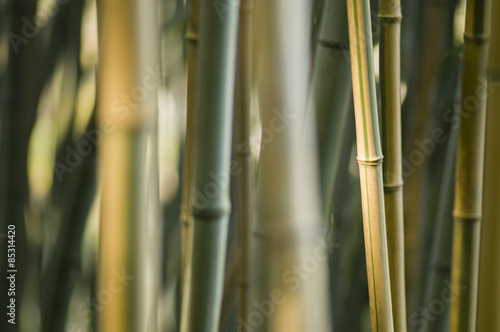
{"points": [[488, 318], [204, 277], [370, 164], [288, 218], [187, 179], [331, 89], [390, 91], [242, 132], [128, 53], [18, 118], [469, 167], [439, 267], [436, 24]]}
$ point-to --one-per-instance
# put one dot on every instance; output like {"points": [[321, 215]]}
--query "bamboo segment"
{"points": [[204, 276], [469, 167], [488, 318], [390, 90], [439, 268], [187, 180], [370, 164], [128, 67], [290, 280], [436, 25], [245, 177], [331, 88]]}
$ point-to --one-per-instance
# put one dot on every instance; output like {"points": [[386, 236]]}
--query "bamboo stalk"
{"points": [[390, 91], [204, 277], [439, 267], [18, 118], [331, 89], [289, 215], [242, 132], [436, 24], [469, 167], [187, 180], [127, 61], [370, 164], [488, 318]]}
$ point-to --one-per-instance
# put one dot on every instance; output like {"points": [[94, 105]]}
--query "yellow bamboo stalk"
{"points": [[187, 178], [488, 318], [370, 164], [390, 87], [469, 167], [127, 115]]}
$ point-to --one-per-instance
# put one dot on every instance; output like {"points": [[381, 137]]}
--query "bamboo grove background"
{"points": [[250, 165]]}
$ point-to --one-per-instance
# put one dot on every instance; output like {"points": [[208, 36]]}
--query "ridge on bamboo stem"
{"points": [[469, 167], [370, 164], [216, 57], [390, 90]]}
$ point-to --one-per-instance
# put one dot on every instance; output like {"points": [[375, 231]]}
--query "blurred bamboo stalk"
{"points": [[439, 267], [469, 167], [187, 180], [370, 164], [331, 93], [437, 22], [242, 132], [128, 66], [288, 194], [17, 119], [488, 318], [216, 58], [390, 91]]}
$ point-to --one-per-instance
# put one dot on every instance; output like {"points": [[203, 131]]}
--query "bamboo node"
{"points": [[210, 214], [370, 162], [476, 39], [393, 186], [191, 36], [333, 44], [470, 217], [390, 18]]}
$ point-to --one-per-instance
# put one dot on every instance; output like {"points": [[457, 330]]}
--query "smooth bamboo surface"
{"points": [[204, 274], [469, 167], [488, 318], [370, 165]]}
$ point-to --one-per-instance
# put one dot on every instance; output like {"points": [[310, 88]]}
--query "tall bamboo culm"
{"points": [[204, 274], [488, 318], [187, 174], [242, 132], [128, 61], [469, 167], [288, 217], [370, 164], [390, 91], [331, 93], [439, 267]]}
